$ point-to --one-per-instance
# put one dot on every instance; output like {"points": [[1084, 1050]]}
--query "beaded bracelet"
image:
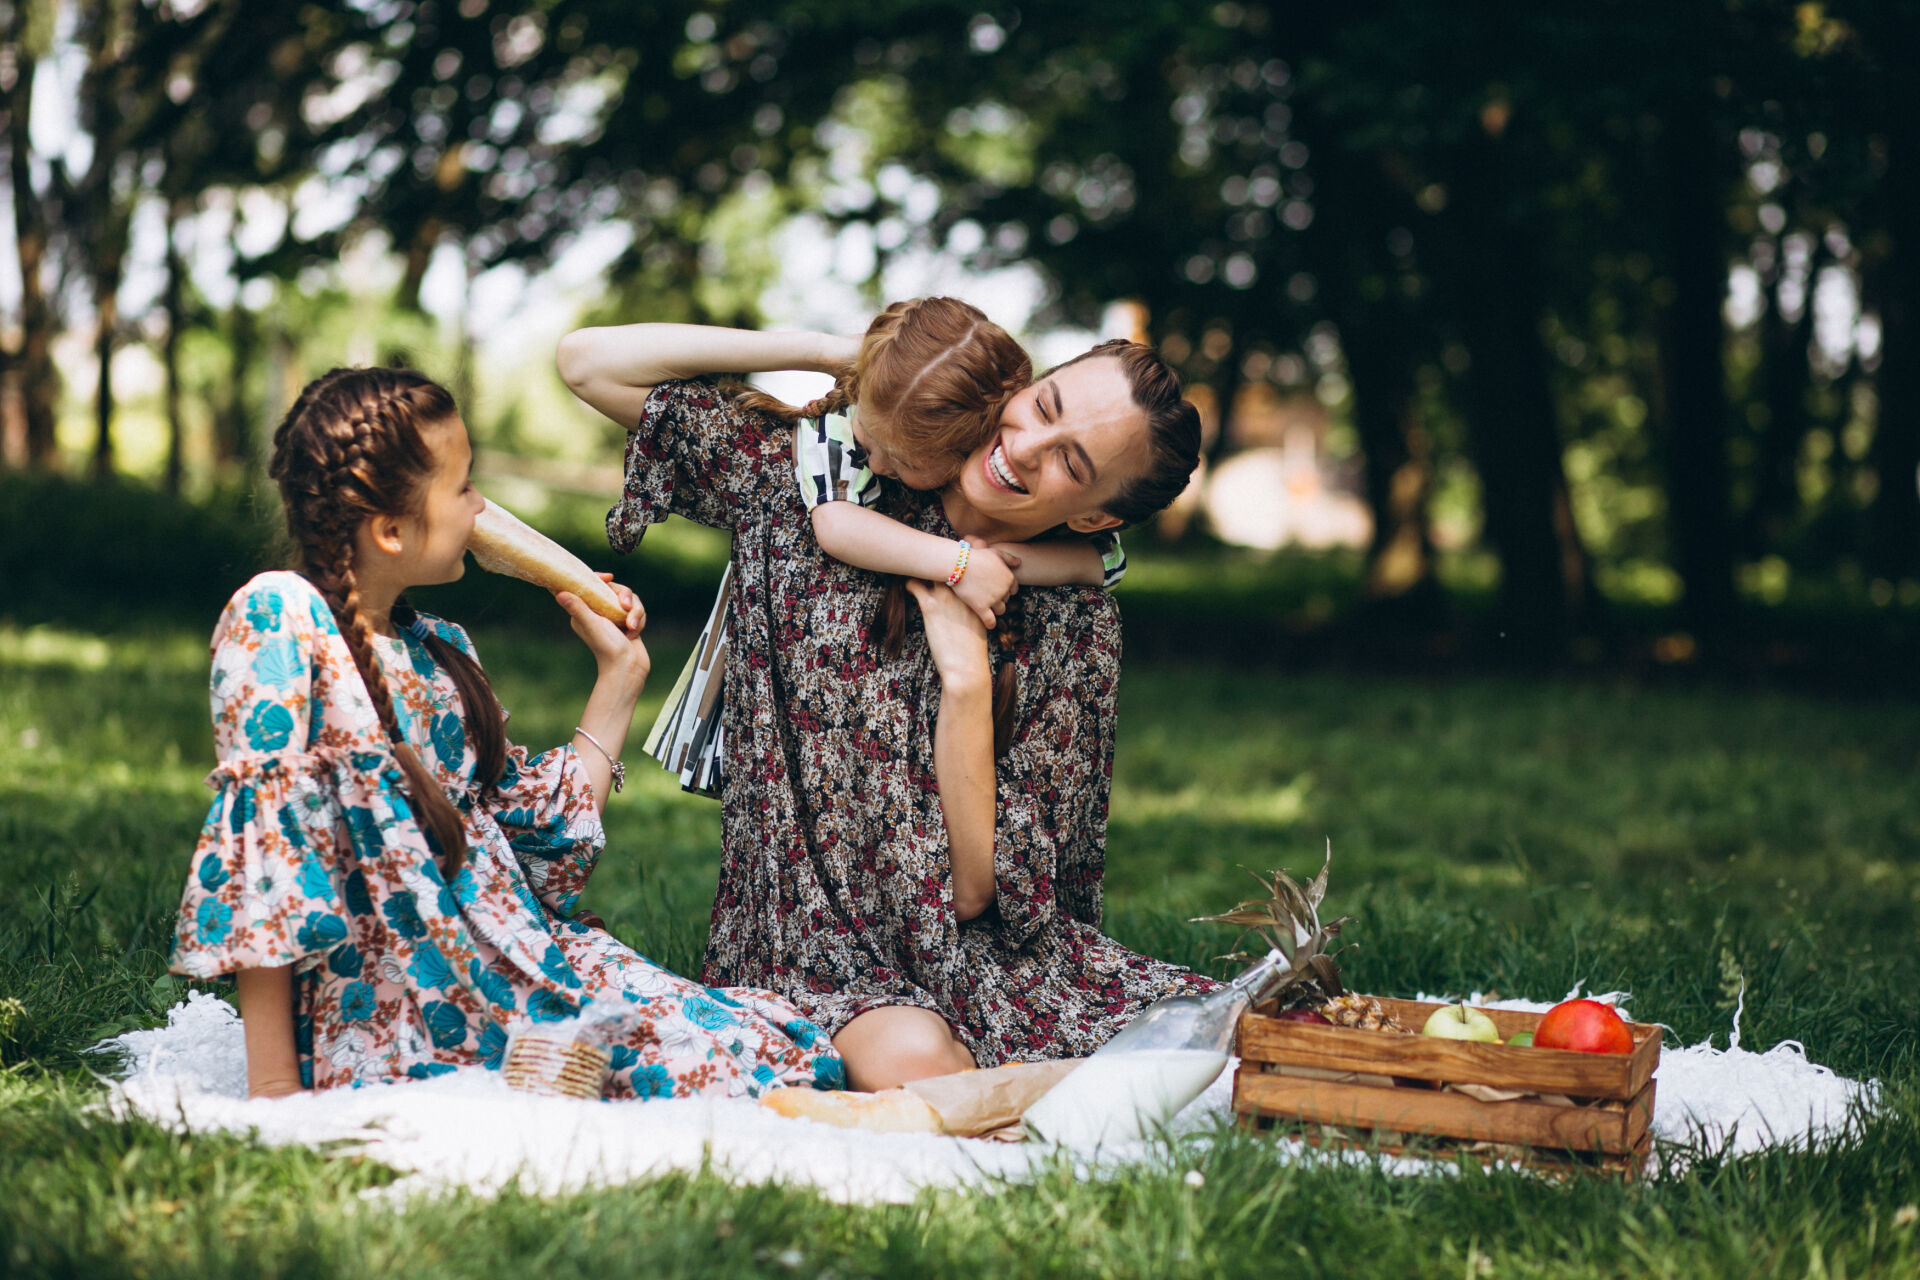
{"points": [[960, 564]]}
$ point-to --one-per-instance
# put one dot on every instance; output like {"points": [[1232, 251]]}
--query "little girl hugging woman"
{"points": [[392, 882], [922, 393]]}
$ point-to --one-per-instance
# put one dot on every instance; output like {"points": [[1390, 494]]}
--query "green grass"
{"points": [[1488, 833]]}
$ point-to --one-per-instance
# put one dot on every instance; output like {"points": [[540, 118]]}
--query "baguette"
{"points": [[502, 543], [890, 1111]]}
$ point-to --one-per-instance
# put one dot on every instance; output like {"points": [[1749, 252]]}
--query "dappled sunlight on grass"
{"points": [[1493, 835], [1279, 807]]}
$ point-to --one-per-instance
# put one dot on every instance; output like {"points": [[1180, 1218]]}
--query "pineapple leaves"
{"points": [[1287, 919], [1318, 889]]}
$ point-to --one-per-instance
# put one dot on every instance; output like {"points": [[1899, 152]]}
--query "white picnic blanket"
{"points": [[469, 1130]]}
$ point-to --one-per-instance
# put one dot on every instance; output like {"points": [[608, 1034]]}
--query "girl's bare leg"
{"points": [[887, 1047]]}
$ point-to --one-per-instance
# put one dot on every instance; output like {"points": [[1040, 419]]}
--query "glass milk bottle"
{"points": [[1163, 1060]]}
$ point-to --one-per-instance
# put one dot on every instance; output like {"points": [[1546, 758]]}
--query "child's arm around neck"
{"points": [[864, 538], [1066, 562]]}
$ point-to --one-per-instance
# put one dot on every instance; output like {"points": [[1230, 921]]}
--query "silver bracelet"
{"points": [[619, 770]]}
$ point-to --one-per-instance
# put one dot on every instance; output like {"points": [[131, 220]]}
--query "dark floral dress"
{"points": [[835, 884]]}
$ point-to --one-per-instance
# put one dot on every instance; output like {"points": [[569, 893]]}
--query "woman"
{"points": [[838, 886]]}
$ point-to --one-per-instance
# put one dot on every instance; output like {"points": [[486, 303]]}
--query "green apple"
{"points": [[1524, 1039], [1457, 1022]]}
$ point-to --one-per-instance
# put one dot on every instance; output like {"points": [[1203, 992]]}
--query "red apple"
{"points": [[1584, 1026], [1304, 1015]]}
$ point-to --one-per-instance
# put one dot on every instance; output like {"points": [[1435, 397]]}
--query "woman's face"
{"points": [[1067, 445]]}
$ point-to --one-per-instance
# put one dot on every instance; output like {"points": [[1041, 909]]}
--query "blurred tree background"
{"points": [[1609, 315]]}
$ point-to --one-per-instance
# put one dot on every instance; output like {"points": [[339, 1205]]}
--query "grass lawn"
{"points": [[1516, 835]]}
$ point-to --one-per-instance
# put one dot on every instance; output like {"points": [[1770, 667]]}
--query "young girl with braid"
{"points": [[391, 882], [923, 391]]}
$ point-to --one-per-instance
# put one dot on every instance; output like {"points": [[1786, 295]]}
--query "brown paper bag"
{"points": [[989, 1104]]}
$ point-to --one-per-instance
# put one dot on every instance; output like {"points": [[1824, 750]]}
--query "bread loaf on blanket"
{"points": [[501, 543], [890, 1111]]}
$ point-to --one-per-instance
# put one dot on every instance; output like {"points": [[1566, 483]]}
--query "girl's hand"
{"points": [[987, 584], [617, 648], [955, 634]]}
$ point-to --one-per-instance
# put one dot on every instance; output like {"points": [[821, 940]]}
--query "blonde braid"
{"points": [[843, 396]]}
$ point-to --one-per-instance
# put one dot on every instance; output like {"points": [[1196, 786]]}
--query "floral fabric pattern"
{"points": [[311, 856], [835, 884]]}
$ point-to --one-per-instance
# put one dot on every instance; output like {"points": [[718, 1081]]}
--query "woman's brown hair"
{"points": [[1173, 452], [931, 379], [350, 448]]}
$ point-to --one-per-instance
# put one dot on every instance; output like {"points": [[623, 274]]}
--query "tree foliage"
{"points": [[1583, 253]]}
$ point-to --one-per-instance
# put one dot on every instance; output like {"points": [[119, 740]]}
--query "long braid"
{"points": [[1007, 638], [351, 448]]}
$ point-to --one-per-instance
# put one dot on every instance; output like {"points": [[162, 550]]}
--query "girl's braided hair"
{"points": [[932, 377], [350, 448]]}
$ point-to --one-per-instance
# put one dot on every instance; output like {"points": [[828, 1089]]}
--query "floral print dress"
{"points": [[311, 857], [836, 882]]}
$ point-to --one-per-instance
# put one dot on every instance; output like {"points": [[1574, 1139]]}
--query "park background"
{"points": [[1556, 553]]}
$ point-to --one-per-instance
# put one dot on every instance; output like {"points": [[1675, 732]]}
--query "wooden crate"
{"points": [[1379, 1088]]}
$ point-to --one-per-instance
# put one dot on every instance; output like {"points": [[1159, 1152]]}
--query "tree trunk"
{"points": [[170, 355], [1398, 471], [1693, 368], [1225, 384], [107, 311], [1359, 208], [1786, 375], [1514, 435], [38, 380], [234, 433], [1893, 548]]}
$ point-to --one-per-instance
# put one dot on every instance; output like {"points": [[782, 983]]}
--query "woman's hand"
{"points": [[616, 647], [838, 352], [955, 634], [613, 368]]}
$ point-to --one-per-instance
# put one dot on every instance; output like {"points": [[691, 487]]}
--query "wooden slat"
{"points": [[1640, 1116], [1583, 1075], [1440, 1113], [1556, 1163]]}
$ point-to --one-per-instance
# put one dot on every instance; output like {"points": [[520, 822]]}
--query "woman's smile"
{"points": [[999, 469]]}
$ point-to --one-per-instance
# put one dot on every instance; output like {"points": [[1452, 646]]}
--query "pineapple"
{"points": [[1362, 1013], [1288, 919]]}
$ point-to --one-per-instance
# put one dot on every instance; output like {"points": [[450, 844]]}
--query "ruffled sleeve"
{"points": [[697, 454], [1053, 783], [545, 806], [266, 886]]}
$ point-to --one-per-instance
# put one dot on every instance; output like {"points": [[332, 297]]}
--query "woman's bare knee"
{"points": [[887, 1047]]}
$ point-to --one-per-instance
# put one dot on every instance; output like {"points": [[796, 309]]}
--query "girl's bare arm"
{"points": [[613, 368], [266, 1015], [856, 535], [623, 664]]}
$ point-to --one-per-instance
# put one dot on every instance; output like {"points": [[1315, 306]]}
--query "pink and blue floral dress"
{"points": [[311, 857]]}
